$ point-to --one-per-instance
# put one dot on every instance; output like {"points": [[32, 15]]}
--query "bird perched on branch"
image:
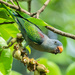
{"points": [[34, 36]]}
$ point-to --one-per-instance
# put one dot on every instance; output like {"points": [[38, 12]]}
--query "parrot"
{"points": [[34, 36]]}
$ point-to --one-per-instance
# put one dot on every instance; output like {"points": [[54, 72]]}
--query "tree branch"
{"points": [[60, 32], [14, 7], [41, 9]]}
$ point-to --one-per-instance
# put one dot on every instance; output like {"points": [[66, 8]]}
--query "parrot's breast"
{"points": [[37, 46]]}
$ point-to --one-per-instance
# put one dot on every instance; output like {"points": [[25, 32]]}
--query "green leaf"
{"points": [[2, 20], [2, 70], [71, 69], [24, 43], [23, 14], [5, 58], [3, 13], [35, 21], [38, 22], [28, 48], [7, 30], [14, 73], [52, 67]]}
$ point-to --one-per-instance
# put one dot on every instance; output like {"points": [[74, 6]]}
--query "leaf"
{"points": [[28, 48], [24, 43], [71, 69], [38, 22], [3, 13], [14, 73], [2, 20], [33, 20], [23, 14], [8, 30], [2, 70], [52, 67], [5, 58]]}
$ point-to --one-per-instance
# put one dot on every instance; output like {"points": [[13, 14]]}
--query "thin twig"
{"points": [[12, 2], [18, 4], [8, 41], [41, 9], [60, 32], [7, 46], [14, 7], [33, 14], [29, 6], [6, 23]]}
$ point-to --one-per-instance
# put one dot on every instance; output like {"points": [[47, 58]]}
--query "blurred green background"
{"points": [[61, 15]]}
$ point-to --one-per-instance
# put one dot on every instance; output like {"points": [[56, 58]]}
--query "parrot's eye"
{"points": [[55, 42]]}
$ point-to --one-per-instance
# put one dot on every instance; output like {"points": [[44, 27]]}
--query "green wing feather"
{"points": [[32, 32]]}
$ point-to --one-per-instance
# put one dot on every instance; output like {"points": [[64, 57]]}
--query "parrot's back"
{"points": [[28, 29]]}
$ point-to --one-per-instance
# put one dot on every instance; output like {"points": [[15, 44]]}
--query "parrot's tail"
{"points": [[17, 19]]}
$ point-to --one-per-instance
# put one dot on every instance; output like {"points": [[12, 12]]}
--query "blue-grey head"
{"points": [[53, 46], [58, 47]]}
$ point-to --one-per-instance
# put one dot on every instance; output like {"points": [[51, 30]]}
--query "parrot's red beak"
{"points": [[60, 48]]}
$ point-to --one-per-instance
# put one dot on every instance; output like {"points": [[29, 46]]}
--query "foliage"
{"points": [[15, 73], [5, 58]]}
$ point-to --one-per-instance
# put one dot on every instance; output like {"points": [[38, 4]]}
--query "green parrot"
{"points": [[34, 36]]}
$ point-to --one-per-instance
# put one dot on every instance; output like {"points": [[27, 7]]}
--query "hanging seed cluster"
{"points": [[20, 54]]}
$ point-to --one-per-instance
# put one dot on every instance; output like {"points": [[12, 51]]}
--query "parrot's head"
{"points": [[53, 46], [58, 47]]}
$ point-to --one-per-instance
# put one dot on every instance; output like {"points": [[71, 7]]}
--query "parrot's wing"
{"points": [[33, 32], [29, 29]]}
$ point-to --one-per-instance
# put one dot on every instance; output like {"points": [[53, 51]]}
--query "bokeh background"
{"points": [[61, 15]]}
